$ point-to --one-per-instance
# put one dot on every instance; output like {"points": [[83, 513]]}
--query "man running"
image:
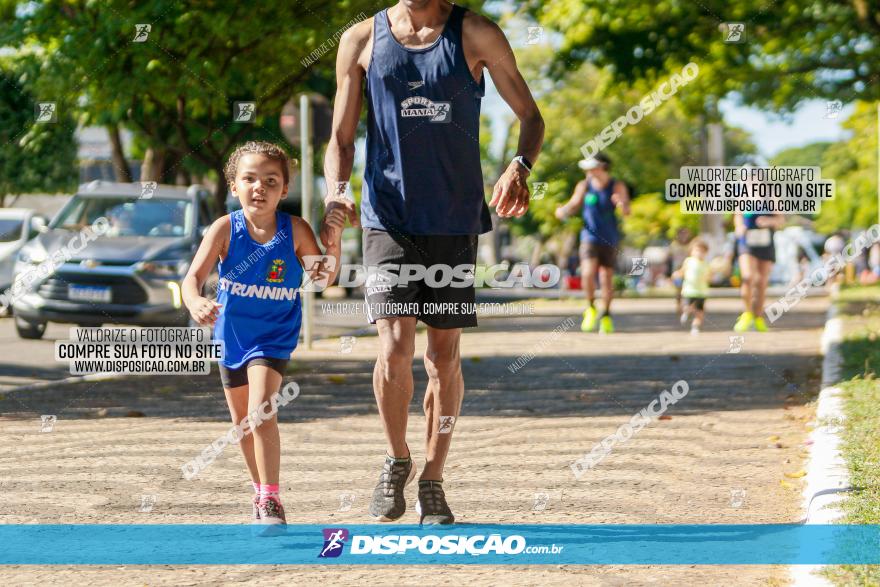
{"points": [[422, 204], [597, 196]]}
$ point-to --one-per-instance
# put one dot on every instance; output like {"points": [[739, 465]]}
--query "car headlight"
{"points": [[32, 256], [167, 269]]}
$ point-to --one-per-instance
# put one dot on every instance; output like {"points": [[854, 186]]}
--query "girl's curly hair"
{"points": [[267, 149]]}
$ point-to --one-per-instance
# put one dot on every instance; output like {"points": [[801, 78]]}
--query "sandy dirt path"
{"points": [[740, 429]]}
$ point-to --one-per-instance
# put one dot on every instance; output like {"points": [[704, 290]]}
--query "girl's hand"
{"points": [[205, 311], [334, 223]]}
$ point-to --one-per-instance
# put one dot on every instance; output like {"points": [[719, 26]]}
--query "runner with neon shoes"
{"points": [[598, 196]]}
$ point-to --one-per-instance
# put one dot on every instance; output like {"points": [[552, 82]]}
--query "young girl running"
{"points": [[694, 274], [258, 312]]}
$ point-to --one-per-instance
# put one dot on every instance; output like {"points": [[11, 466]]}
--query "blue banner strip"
{"points": [[485, 544]]}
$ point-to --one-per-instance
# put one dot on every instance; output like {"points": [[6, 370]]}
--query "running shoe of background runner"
{"points": [[606, 325], [589, 322], [745, 321], [760, 325]]}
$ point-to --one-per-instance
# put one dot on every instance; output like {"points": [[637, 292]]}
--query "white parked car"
{"points": [[17, 226]]}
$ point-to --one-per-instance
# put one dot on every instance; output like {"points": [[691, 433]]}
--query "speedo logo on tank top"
{"points": [[421, 107], [250, 290]]}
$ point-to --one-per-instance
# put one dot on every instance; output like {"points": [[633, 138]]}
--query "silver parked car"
{"points": [[17, 226], [130, 274]]}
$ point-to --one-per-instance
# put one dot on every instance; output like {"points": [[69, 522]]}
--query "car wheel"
{"points": [[28, 329]]}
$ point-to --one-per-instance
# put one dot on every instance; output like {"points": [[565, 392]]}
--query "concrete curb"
{"points": [[827, 474]]}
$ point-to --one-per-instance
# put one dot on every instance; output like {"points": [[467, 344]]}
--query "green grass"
{"points": [[858, 293], [861, 435]]}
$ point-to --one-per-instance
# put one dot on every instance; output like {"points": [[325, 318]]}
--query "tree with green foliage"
{"points": [[790, 50], [175, 84], [576, 108], [806, 156], [34, 157], [852, 163]]}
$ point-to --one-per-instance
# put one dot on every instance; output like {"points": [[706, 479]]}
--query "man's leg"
{"points": [[589, 266], [393, 380], [442, 398], [442, 405], [393, 386], [606, 279]]}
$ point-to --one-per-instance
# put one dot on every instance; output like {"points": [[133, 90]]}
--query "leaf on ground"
{"points": [[786, 484], [796, 474], [773, 438], [665, 417], [336, 378], [134, 414]]}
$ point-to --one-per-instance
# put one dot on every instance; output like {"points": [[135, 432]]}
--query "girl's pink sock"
{"points": [[267, 490]]}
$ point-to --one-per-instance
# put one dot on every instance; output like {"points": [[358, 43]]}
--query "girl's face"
{"points": [[699, 253], [259, 184]]}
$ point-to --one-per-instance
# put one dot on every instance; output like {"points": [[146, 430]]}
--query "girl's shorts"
{"points": [[238, 377]]}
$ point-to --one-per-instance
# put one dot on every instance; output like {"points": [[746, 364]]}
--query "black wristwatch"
{"points": [[521, 159]]}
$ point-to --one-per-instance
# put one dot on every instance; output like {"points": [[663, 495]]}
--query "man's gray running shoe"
{"points": [[432, 507], [388, 502]]}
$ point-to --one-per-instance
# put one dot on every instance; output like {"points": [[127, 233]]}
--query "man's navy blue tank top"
{"points": [[423, 173], [600, 223]]}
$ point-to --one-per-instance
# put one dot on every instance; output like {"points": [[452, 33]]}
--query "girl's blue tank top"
{"points": [[261, 311]]}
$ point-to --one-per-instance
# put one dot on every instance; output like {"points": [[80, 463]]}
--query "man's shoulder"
{"points": [[359, 33], [477, 26]]}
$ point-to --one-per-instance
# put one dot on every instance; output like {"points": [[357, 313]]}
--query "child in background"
{"points": [[678, 252], [258, 312], [694, 274]]}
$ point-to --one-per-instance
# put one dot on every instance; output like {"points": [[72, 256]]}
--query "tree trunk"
{"points": [[120, 163], [153, 167]]}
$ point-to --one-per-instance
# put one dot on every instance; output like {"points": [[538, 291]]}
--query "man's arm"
{"points": [[486, 45], [576, 201], [620, 197], [339, 158]]}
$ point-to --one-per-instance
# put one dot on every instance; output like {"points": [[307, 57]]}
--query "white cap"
{"points": [[591, 163]]}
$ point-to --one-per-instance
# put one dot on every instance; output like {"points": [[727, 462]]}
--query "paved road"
{"points": [[730, 452]]}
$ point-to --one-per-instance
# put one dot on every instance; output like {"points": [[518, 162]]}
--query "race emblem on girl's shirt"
{"points": [[276, 272]]}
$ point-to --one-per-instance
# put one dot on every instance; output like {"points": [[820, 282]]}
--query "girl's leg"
{"points": [[237, 399], [698, 319], [264, 381]]}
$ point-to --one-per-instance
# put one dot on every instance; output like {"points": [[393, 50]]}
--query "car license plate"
{"points": [[89, 293]]}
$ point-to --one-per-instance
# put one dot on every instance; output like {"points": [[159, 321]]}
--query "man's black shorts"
{"points": [[605, 254], [439, 305]]}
